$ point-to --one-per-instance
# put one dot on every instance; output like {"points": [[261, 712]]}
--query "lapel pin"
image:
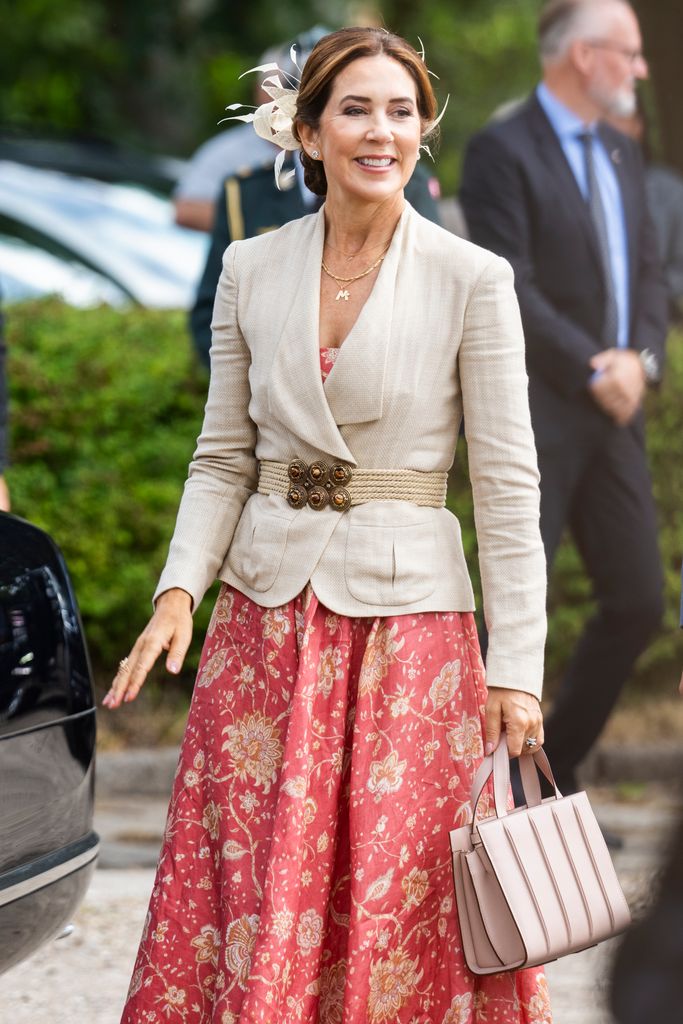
{"points": [[616, 156]]}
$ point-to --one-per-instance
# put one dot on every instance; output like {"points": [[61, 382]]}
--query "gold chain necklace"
{"points": [[343, 293], [348, 256]]}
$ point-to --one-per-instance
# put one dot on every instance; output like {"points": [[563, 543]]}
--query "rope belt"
{"points": [[339, 486]]}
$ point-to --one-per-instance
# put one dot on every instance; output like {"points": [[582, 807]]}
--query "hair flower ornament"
{"points": [[435, 123], [273, 121]]}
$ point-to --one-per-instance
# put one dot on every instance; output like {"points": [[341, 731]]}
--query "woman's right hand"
{"points": [[169, 629]]}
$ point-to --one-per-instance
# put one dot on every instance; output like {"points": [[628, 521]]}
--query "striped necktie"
{"points": [[610, 328]]}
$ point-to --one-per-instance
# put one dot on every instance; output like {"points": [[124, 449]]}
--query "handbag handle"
{"points": [[498, 763]]}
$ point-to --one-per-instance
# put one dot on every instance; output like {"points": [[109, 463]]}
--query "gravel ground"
{"points": [[82, 979]]}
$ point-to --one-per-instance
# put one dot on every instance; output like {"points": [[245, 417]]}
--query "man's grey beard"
{"points": [[618, 104]]}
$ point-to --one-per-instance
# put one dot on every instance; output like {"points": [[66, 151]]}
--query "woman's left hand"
{"points": [[520, 713]]}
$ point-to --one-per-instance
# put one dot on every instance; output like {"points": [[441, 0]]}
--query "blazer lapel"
{"points": [[552, 153], [355, 387], [295, 390]]}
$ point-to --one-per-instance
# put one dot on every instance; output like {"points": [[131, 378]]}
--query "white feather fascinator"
{"points": [[273, 121]]}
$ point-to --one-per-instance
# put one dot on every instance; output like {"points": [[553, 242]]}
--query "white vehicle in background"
{"points": [[93, 241]]}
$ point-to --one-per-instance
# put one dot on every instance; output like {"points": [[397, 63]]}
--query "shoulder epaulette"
{"points": [[233, 203]]}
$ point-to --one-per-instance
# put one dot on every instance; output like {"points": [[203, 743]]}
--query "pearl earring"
{"points": [[315, 154]]}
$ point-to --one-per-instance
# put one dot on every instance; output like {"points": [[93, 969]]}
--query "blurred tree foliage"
{"points": [[484, 52], [105, 410], [159, 73], [152, 73]]}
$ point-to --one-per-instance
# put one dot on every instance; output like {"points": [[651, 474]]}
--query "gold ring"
{"points": [[123, 664]]}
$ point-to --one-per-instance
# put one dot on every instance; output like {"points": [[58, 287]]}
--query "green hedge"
{"points": [[105, 409]]}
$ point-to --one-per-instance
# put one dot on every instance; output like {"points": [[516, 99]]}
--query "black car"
{"points": [[47, 744]]}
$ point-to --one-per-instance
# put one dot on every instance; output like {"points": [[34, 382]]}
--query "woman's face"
{"points": [[369, 132]]}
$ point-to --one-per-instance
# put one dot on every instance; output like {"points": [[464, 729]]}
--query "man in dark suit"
{"points": [[251, 204], [561, 196]]}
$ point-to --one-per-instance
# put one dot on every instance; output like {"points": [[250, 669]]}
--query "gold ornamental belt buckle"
{"points": [[318, 485]]}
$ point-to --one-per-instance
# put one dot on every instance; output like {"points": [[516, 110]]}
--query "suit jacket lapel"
{"points": [[295, 390], [355, 386], [552, 153]]}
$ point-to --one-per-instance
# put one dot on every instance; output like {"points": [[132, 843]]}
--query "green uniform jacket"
{"points": [[251, 205]]}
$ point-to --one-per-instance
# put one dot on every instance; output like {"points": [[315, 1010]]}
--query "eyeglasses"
{"points": [[631, 55]]}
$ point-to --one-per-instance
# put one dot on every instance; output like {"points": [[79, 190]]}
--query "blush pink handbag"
{"points": [[534, 883]]}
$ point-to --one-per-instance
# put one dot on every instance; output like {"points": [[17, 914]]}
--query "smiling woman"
{"points": [[341, 708], [364, 108], [397, 88]]}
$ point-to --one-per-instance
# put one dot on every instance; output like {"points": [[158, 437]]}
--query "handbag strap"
{"points": [[498, 764]]}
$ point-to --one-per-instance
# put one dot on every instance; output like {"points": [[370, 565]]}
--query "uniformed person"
{"points": [[251, 205]]}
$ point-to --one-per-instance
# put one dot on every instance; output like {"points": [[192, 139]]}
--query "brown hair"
{"points": [[334, 53]]}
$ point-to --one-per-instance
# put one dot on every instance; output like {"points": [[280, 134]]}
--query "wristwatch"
{"points": [[650, 365]]}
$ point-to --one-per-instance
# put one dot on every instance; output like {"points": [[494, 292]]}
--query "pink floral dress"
{"points": [[305, 874]]}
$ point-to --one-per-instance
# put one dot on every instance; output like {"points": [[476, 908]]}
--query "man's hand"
{"points": [[197, 214], [619, 384]]}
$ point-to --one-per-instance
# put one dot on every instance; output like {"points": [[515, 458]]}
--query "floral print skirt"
{"points": [[305, 874]]}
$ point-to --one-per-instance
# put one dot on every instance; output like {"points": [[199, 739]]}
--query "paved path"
{"points": [[83, 979]]}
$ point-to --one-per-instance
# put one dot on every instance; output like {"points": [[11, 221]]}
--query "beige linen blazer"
{"points": [[439, 336]]}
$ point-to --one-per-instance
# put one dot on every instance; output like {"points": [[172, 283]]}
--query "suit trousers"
{"points": [[600, 489]]}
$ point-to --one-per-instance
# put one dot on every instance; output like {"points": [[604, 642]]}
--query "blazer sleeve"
{"points": [[651, 301], [505, 481], [670, 199], [496, 208], [223, 471]]}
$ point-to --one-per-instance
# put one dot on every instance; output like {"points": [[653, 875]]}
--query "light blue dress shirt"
{"points": [[568, 127]]}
